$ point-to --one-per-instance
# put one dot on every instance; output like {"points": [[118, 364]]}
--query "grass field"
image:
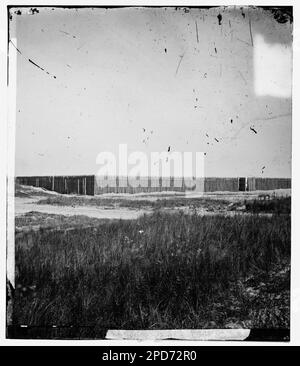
{"points": [[171, 202], [160, 271], [280, 205]]}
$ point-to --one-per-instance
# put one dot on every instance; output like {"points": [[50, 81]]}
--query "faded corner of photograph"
{"points": [[151, 185]]}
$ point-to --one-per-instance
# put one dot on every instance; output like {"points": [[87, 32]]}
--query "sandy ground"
{"points": [[24, 205], [31, 195]]}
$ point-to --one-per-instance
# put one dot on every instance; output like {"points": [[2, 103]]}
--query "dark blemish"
{"points": [[205, 153], [231, 121], [282, 14], [216, 140], [206, 135], [220, 19], [205, 75], [36, 65], [243, 14], [69, 66], [18, 12], [169, 148], [68, 34], [165, 50], [54, 76], [216, 50], [144, 130], [252, 129], [34, 11]]}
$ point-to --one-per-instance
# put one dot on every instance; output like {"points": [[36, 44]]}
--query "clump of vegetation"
{"points": [[69, 200], [132, 203], [158, 272], [279, 205], [34, 219]]}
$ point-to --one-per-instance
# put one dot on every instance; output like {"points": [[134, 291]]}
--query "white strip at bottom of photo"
{"points": [[181, 334]]}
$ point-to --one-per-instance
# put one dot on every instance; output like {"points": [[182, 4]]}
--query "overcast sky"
{"points": [[197, 80]]}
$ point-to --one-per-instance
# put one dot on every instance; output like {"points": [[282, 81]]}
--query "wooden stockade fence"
{"points": [[75, 184], [141, 185], [263, 184], [93, 185]]}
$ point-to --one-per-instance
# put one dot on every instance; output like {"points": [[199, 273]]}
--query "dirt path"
{"points": [[24, 205], [28, 203]]}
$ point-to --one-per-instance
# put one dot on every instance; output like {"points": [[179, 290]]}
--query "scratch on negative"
{"points": [[32, 62], [181, 57], [250, 31], [242, 76], [197, 31], [36, 64], [16, 48]]}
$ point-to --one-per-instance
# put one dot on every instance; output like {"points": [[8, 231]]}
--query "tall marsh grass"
{"points": [[278, 205], [160, 271]]}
